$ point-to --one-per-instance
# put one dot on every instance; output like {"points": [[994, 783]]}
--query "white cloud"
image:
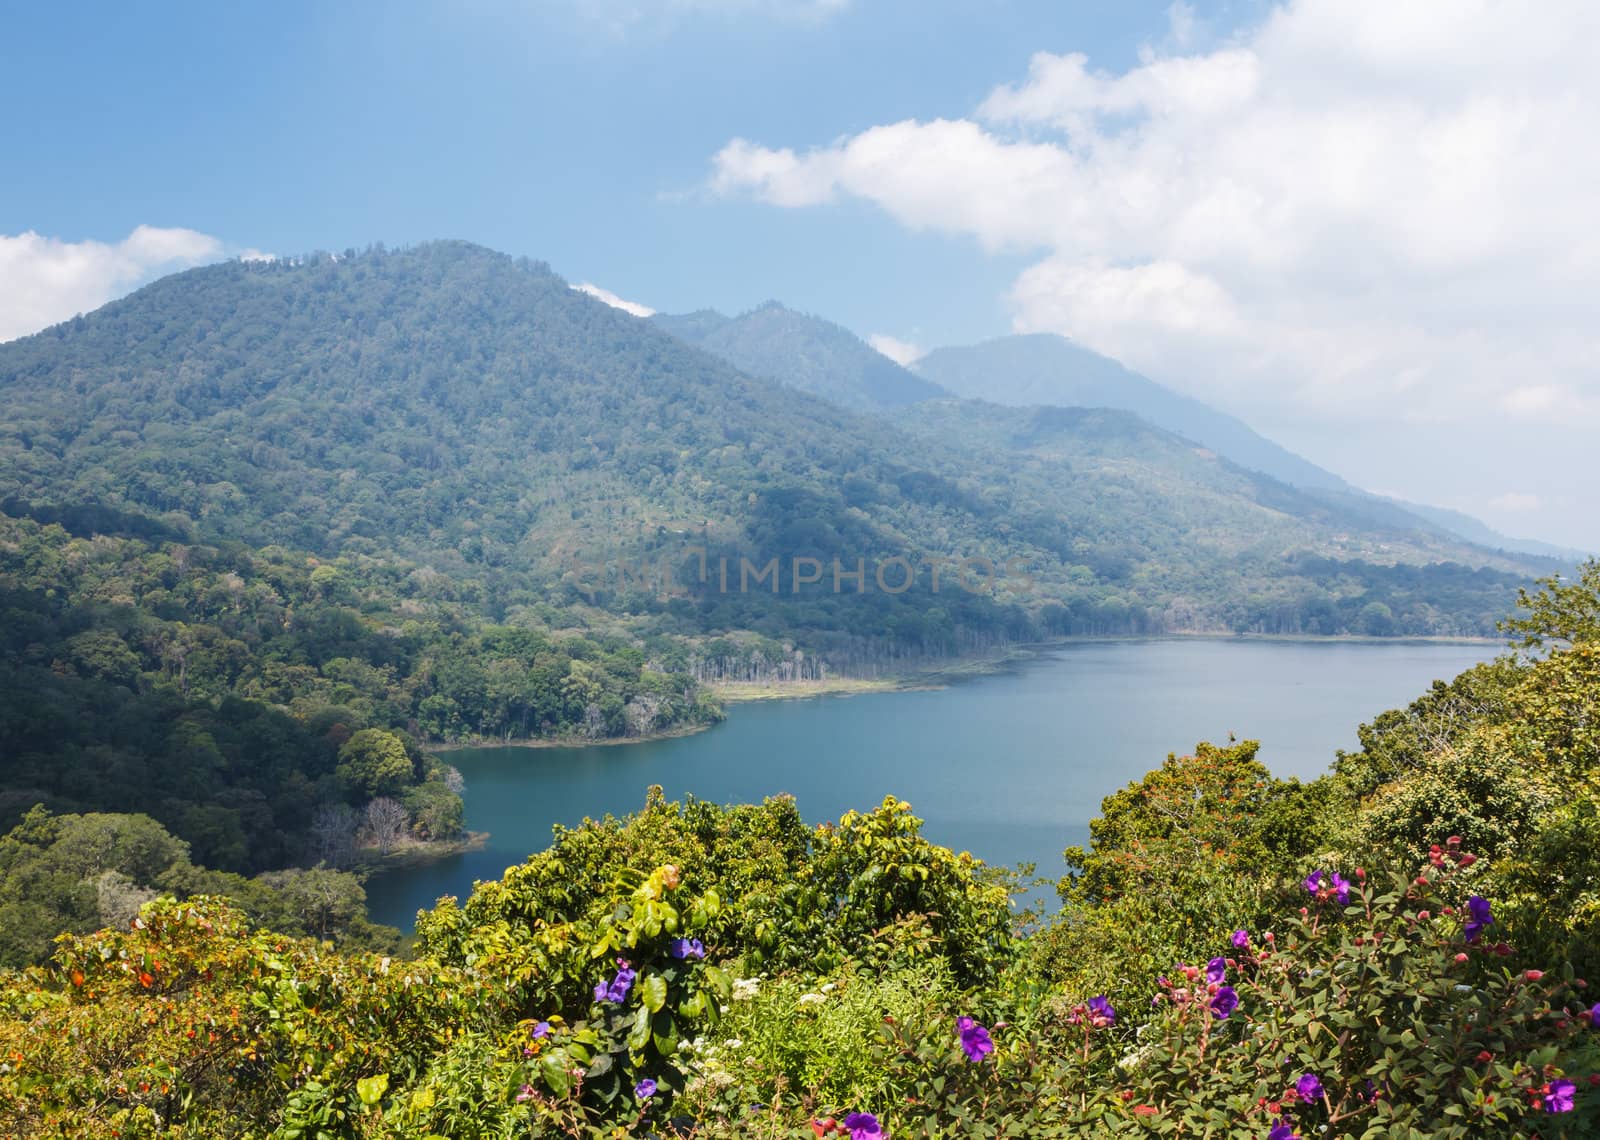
{"points": [[1514, 501], [1541, 401], [902, 352], [44, 281], [615, 301], [1354, 209]]}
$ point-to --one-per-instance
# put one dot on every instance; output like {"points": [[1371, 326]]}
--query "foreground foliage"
{"points": [[1237, 957]]}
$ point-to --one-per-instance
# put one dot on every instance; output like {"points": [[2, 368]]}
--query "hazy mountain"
{"points": [[1047, 369], [804, 352], [693, 327], [1476, 531], [476, 415], [1051, 370]]}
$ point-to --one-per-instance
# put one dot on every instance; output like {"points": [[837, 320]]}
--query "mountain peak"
{"points": [[778, 343], [1044, 368]]}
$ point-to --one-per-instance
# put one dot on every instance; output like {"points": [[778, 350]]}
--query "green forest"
{"points": [[474, 416], [266, 707], [275, 535], [1399, 947], [256, 510]]}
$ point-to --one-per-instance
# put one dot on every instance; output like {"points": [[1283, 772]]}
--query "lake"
{"points": [[1010, 766]]}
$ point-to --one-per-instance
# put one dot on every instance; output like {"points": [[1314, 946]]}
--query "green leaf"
{"points": [[655, 992], [639, 1037], [664, 1033], [371, 1089], [553, 1069]]}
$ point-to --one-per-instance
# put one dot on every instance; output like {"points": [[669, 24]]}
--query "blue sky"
{"points": [[574, 132], [1364, 227]]}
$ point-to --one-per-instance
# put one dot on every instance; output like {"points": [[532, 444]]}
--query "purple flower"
{"points": [[975, 1041], [1224, 1002], [1101, 1013], [525, 1093], [1594, 1016], [1309, 1088], [1216, 970], [1240, 939], [684, 948], [1320, 883], [1479, 917], [541, 1030], [645, 1089], [1282, 1131], [863, 1126], [1558, 1096], [616, 991]]}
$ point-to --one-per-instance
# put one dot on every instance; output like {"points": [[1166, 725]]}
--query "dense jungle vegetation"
{"points": [[1398, 948], [270, 530], [476, 417], [265, 706], [256, 510]]}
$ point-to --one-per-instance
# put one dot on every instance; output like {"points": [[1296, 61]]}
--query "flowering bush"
{"points": [[661, 987], [1372, 1006], [188, 1016], [1179, 859], [1378, 1011], [813, 1042]]}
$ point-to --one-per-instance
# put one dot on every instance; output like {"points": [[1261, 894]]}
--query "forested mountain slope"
{"points": [[216, 687], [804, 352], [1043, 369], [475, 415], [1113, 496]]}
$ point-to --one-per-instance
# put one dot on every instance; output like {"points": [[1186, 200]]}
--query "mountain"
{"points": [[1047, 369], [692, 327], [1042, 368], [554, 463], [444, 400], [1475, 531], [804, 352]]}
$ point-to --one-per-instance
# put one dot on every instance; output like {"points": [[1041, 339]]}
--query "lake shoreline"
{"points": [[932, 677], [982, 665], [567, 741], [422, 854], [1011, 767]]}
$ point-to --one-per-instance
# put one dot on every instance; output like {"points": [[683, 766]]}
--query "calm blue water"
{"points": [[1010, 766]]}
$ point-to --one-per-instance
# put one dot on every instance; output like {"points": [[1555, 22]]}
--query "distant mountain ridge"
{"points": [[475, 415], [1042, 368], [1474, 530], [804, 352]]}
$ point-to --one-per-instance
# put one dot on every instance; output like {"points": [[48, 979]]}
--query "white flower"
{"points": [[733, 1043], [811, 999], [745, 988], [829, 987]]}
